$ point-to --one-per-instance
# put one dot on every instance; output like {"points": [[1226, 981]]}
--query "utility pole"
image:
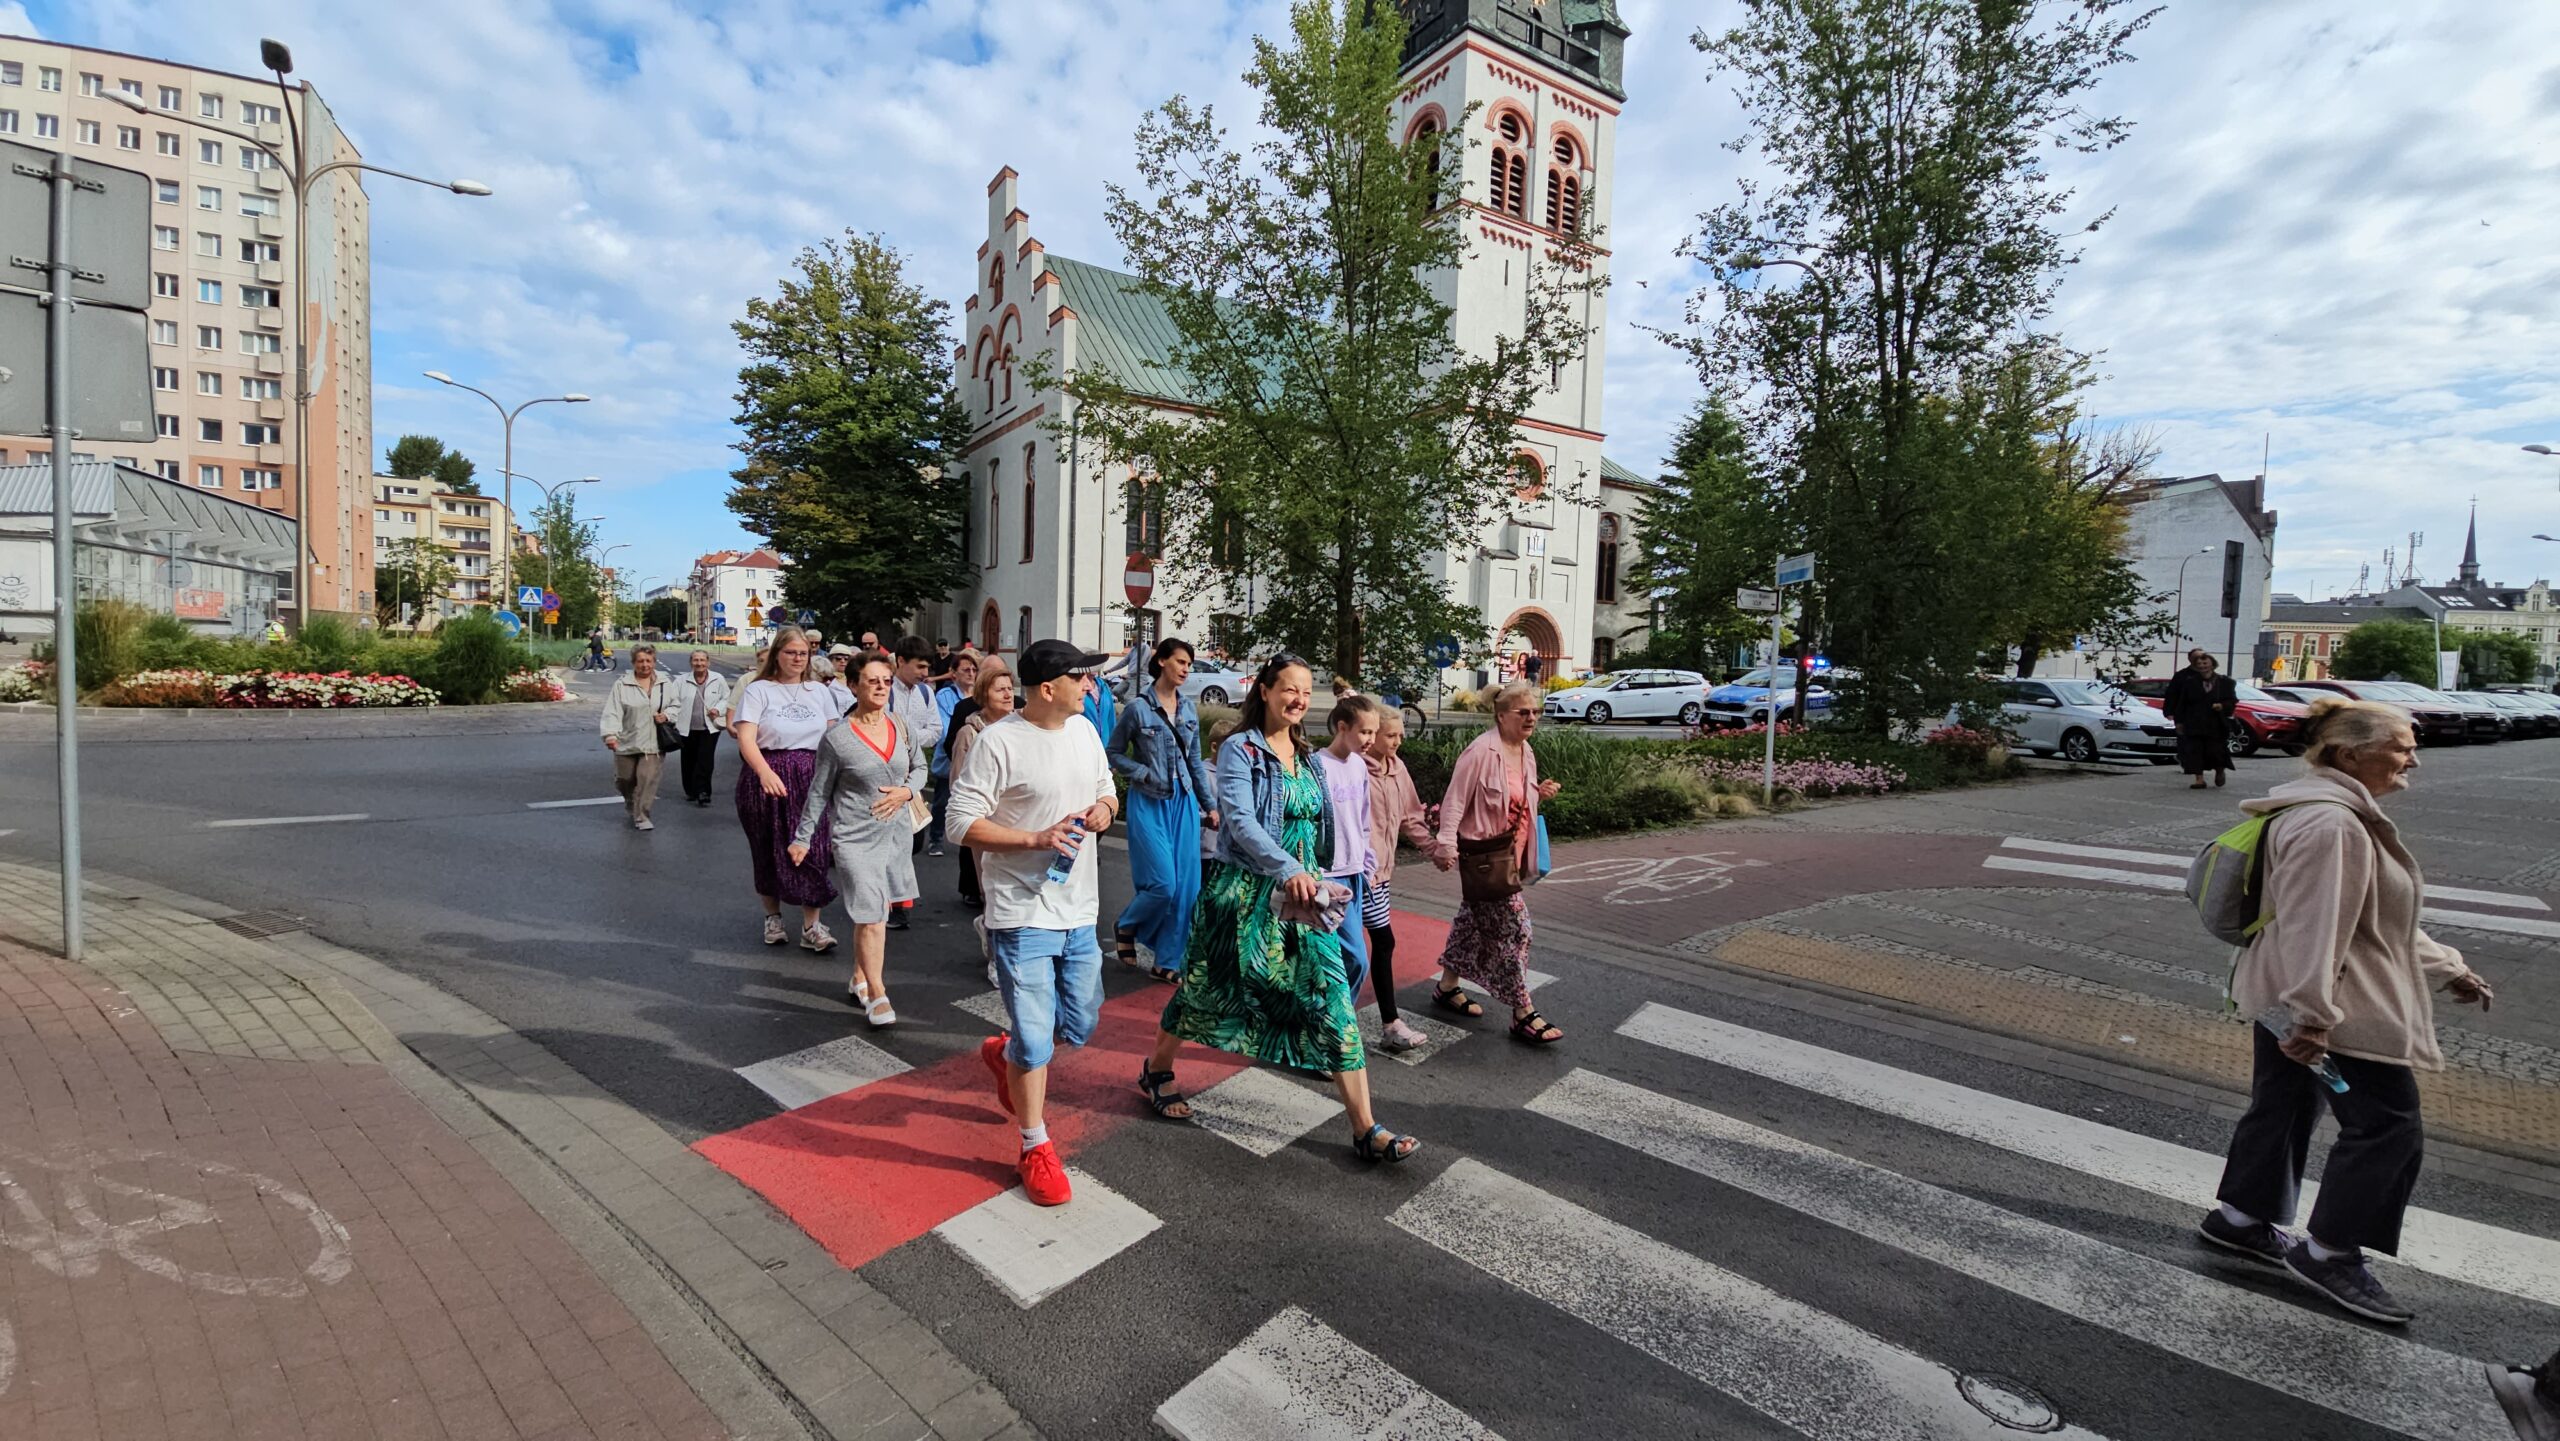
{"points": [[66, 644]]}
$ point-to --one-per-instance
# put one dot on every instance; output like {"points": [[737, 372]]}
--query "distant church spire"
{"points": [[2469, 576]]}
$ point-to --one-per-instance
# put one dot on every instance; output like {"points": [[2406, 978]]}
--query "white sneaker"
{"points": [[644, 824], [774, 932], [816, 937]]}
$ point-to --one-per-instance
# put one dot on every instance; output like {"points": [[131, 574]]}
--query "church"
{"points": [[1059, 547]]}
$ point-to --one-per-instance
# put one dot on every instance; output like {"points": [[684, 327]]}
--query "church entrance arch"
{"points": [[1530, 632]]}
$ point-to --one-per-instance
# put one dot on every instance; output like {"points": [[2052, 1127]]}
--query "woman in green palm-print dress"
{"points": [[1254, 983]]}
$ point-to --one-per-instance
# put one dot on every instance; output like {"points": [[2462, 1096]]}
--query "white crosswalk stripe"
{"points": [[821, 1071], [1030, 1251], [2170, 875], [1297, 1379], [1441, 1035], [2348, 1368], [1807, 1369], [1262, 1110], [2491, 1257]]}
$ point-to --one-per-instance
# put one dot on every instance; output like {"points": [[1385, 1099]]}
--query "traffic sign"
{"points": [[510, 622], [1444, 652], [1796, 569], [1755, 600], [719, 607], [110, 228], [551, 617], [1138, 577], [529, 597], [808, 617], [755, 617], [551, 600]]}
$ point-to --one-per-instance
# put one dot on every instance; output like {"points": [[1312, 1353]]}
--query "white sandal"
{"points": [[880, 1013], [857, 995]]}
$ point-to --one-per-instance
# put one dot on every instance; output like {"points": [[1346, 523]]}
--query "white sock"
{"points": [[2330, 1253], [2236, 1216], [1034, 1136]]}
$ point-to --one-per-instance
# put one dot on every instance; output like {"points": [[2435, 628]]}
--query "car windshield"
{"points": [[1608, 682], [1755, 678], [2247, 691], [2403, 691], [2081, 692]]}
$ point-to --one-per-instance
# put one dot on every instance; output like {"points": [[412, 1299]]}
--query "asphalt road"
{"points": [[1658, 1229]]}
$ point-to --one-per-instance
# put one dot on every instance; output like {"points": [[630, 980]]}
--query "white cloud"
{"points": [[2299, 248]]}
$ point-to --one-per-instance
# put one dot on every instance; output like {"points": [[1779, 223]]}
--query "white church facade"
{"points": [[1052, 528]]}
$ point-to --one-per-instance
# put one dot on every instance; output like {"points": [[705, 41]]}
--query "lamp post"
{"points": [[612, 599], [2182, 593], [2549, 451], [507, 421], [303, 176], [549, 492]]}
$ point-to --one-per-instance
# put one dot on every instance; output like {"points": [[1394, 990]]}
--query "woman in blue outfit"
{"points": [[1155, 746]]}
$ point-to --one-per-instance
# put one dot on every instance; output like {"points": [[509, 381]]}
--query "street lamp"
{"points": [[613, 599], [303, 175], [2182, 589], [507, 420]]}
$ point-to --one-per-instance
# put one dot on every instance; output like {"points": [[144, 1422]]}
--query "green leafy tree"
{"points": [[2494, 659], [1896, 394], [2382, 648], [423, 457], [566, 564], [665, 614], [1341, 436], [852, 435], [1714, 531], [414, 573]]}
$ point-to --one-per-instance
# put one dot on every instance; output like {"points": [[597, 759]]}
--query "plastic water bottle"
{"points": [[1062, 865], [2279, 1023]]}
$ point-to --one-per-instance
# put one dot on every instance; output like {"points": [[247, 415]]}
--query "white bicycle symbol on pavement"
{"points": [[111, 1215], [1649, 881]]}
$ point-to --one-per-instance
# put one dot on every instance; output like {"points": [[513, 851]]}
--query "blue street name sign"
{"points": [[1796, 569]]}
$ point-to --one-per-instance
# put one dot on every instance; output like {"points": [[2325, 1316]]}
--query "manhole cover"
{"points": [[2010, 1403], [258, 925]]}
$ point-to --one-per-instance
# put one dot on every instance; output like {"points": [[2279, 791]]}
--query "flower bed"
{"points": [[27, 680], [1811, 777], [534, 685], [263, 690]]}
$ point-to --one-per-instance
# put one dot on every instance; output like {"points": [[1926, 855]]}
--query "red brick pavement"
{"points": [[197, 1247]]}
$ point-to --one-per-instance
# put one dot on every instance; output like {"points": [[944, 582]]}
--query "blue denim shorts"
{"points": [[1052, 987]]}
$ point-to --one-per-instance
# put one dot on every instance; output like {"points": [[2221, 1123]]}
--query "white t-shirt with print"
{"points": [[1026, 778], [789, 717]]}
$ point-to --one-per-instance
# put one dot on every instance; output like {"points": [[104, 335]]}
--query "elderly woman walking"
{"points": [[781, 715], [870, 773], [2339, 978], [633, 711], [1155, 746], [1264, 976], [1488, 823]]}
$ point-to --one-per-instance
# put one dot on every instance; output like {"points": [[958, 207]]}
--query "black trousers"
{"points": [[700, 749], [2373, 1168]]}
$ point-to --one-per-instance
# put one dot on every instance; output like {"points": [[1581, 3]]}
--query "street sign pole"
{"points": [[1769, 754], [66, 659]]}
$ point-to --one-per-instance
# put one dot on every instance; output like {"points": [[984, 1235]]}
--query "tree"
{"points": [[423, 457], [565, 564], [411, 573], [1900, 398], [2380, 649], [665, 614], [2493, 659], [853, 434], [1714, 531], [1335, 435]]}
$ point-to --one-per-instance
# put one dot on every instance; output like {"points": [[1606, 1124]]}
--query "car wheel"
{"points": [[2079, 747], [1213, 696], [1690, 713], [1598, 714], [2244, 741]]}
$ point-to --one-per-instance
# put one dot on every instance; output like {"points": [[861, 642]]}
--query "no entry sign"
{"points": [[1139, 578]]}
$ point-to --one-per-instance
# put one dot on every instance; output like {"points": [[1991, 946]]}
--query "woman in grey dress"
{"points": [[869, 768]]}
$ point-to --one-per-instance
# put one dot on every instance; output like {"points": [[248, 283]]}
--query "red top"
{"points": [[882, 751]]}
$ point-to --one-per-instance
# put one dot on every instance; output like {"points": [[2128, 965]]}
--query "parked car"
{"points": [[2084, 721], [2435, 722], [1651, 696], [2524, 712], [2487, 721], [2541, 700], [1744, 701], [1216, 682], [2262, 720]]}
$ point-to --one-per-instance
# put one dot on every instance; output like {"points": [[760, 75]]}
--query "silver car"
{"points": [[2083, 721], [1651, 696]]}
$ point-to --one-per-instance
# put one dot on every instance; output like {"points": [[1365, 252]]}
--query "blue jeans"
{"points": [[1052, 987], [1354, 933], [940, 791]]}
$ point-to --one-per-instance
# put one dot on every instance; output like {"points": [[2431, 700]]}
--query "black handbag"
{"points": [[670, 739], [1489, 869]]}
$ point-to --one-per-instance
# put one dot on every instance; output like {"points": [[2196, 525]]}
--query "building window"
{"points": [[258, 205], [168, 469], [209, 430], [1030, 499], [92, 84], [254, 158], [168, 427], [1564, 187], [253, 113], [261, 297], [209, 106], [164, 332], [254, 388], [254, 343], [164, 286], [208, 382], [209, 152], [164, 237], [259, 433], [1604, 652], [995, 512], [8, 122], [1605, 586], [87, 132], [1022, 631], [12, 72], [165, 191], [1146, 516], [208, 337], [48, 127], [1227, 635], [164, 377], [1426, 138], [130, 87], [2284, 643], [209, 476], [208, 245], [1529, 479], [49, 78], [262, 480], [1511, 167], [172, 98], [170, 145], [128, 137], [209, 291], [208, 197]]}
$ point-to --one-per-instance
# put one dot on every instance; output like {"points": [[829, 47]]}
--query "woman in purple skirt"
{"points": [[780, 717]]}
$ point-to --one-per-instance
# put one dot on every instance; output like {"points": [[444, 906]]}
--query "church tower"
{"points": [[1538, 84]]}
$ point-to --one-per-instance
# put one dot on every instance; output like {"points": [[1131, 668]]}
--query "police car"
{"points": [[1745, 702]]}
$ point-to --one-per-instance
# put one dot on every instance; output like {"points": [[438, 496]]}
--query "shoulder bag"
{"points": [[670, 739], [1489, 869], [919, 810]]}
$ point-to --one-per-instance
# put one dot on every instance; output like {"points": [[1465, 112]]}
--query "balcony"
{"points": [[271, 410], [270, 227], [270, 318], [270, 273], [271, 364], [480, 547], [270, 454], [272, 134]]}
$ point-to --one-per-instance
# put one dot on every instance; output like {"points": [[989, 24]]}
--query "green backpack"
{"points": [[2226, 882]]}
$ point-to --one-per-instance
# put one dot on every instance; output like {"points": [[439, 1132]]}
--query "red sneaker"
{"points": [[1044, 1176], [991, 1051]]}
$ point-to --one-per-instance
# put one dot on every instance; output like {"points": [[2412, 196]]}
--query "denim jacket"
{"points": [[1167, 752], [1251, 807]]}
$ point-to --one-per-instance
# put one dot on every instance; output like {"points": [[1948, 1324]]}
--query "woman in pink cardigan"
{"points": [[1491, 805]]}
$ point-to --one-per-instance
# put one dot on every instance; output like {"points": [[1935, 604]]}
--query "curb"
{"points": [[778, 1340]]}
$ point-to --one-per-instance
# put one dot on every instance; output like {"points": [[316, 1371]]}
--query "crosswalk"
{"points": [[2458, 907], [1795, 1347]]}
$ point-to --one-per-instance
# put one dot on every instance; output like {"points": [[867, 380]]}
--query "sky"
{"points": [[2329, 235]]}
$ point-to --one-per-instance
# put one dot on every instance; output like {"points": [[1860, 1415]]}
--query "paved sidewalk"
{"points": [[234, 1201]]}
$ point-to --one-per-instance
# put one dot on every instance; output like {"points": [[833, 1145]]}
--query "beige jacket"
{"points": [[2344, 950], [630, 717]]}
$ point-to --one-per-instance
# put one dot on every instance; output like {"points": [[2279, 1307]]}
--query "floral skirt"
{"points": [[1489, 945], [769, 822]]}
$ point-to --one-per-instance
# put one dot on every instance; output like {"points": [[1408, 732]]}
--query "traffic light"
{"points": [[2234, 555]]}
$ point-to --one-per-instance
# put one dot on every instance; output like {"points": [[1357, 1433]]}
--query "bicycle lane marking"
{"points": [[79, 1251]]}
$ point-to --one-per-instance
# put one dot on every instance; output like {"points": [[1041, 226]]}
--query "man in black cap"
{"points": [[1036, 787]]}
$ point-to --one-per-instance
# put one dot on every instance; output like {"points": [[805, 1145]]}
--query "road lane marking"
{"points": [[1804, 1368], [2097, 853], [2483, 921], [248, 821], [2488, 898], [2490, 1257], [1438, 1035], [1261, 1110], [1296, 1377], [564, 805], [2503, 899], [1030, 1251], [987, 1006], [2149, 880], [2329, 1361], [832, 1069]]}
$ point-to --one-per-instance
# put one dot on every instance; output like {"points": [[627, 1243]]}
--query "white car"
{"points": [[1651, 696], [2083, 721], [1214, 682]]}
